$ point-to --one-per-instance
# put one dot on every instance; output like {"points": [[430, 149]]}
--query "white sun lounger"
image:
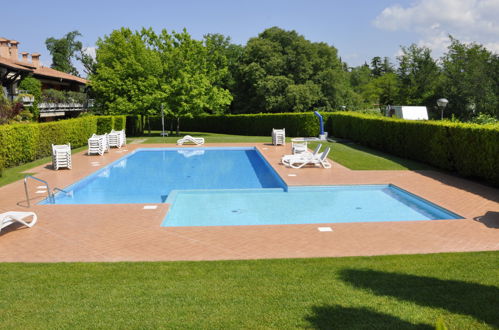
{"points": [[61, 156], [190, 139], [9, 218], [286, 158], [299, 162], [98, 144], [117, 138]]}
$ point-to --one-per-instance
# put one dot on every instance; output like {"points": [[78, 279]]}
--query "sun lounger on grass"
{"points": [[9, 218], [189, 139]]}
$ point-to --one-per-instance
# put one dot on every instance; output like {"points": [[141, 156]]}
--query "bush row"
{"points": [[22, 143], [296, 124], [469, 149]]}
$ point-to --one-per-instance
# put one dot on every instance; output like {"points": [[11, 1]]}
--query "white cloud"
{"points": [[433, 20], [90, 51]]}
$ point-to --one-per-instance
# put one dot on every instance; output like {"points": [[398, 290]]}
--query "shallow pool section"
{"points": [[148, 175], [300, 205]]}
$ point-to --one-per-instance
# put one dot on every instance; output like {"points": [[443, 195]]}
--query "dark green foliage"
{"points": [[469, 149], [134, 125], [23, 143], [281, 71], [470, 80], [34, 87], [63, 50]]}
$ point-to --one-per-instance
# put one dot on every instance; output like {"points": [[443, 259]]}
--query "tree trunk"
{"points": [[178, 126], [149, 125]]}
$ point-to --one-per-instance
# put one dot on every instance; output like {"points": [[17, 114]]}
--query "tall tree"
{"points": [[63, 50], [418, 76], [471, 80], [127, 75], [282, 71], [138, 72]]}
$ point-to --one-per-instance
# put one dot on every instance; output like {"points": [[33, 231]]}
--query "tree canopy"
{"points": [[138, 72], [63, 50], [280, 71]]}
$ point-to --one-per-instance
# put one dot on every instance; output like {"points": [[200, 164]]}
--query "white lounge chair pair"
{"points": [[61, 156], [189, 139], [303, 159], [9, 218], [98, 144], [278, 136]]}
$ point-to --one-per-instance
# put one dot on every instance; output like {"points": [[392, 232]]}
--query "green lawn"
{"points": [[357, 157], [387, 292], [19, 172]]}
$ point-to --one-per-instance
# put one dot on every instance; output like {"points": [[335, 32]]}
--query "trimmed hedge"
{"points": [[471, 150], [22, 143], [296, 124]]}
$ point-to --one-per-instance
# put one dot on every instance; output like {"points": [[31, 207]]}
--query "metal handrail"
{"points": [[50, 194], [59, 189]]}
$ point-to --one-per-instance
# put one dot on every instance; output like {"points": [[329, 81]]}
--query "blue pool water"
{"points": [[148, 175], [300, 205]]}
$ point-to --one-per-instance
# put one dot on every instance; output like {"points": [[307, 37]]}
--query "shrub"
{"points": [[469, 149], [119, 122], [1, 167], [104, 124], [34, 87], [23, 143]]}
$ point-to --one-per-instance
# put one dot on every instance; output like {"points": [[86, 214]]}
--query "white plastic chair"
{"points": [[299, 162], [9, 218], [278, 136], [61, 156], [299, 147], [190, 139]]}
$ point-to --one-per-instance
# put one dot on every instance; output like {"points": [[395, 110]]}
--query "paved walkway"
{"points": [[130, 233]]}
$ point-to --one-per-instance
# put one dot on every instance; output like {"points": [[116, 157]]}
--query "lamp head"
{"points": [[442, 102]]}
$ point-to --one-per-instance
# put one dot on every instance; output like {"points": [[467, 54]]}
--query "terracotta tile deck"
{"points": [[130, 233]]}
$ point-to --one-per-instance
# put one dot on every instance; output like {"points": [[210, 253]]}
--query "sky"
{"points": [[359, 29]]}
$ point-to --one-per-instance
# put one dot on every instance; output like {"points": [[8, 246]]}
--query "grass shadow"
{"points": [[476, 300], [338, 317]]}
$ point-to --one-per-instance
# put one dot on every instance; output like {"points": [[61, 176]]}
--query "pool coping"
{"points": [[126, 232]]}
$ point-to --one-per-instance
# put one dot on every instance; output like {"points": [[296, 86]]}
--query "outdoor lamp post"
{"points": [[442, 103]]}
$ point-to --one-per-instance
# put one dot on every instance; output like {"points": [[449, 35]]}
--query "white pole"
{"points": [[162, 121]]}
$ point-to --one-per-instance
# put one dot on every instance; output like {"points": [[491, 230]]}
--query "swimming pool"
{"points": [[300, 205], [148, 175], [237, 186]]}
